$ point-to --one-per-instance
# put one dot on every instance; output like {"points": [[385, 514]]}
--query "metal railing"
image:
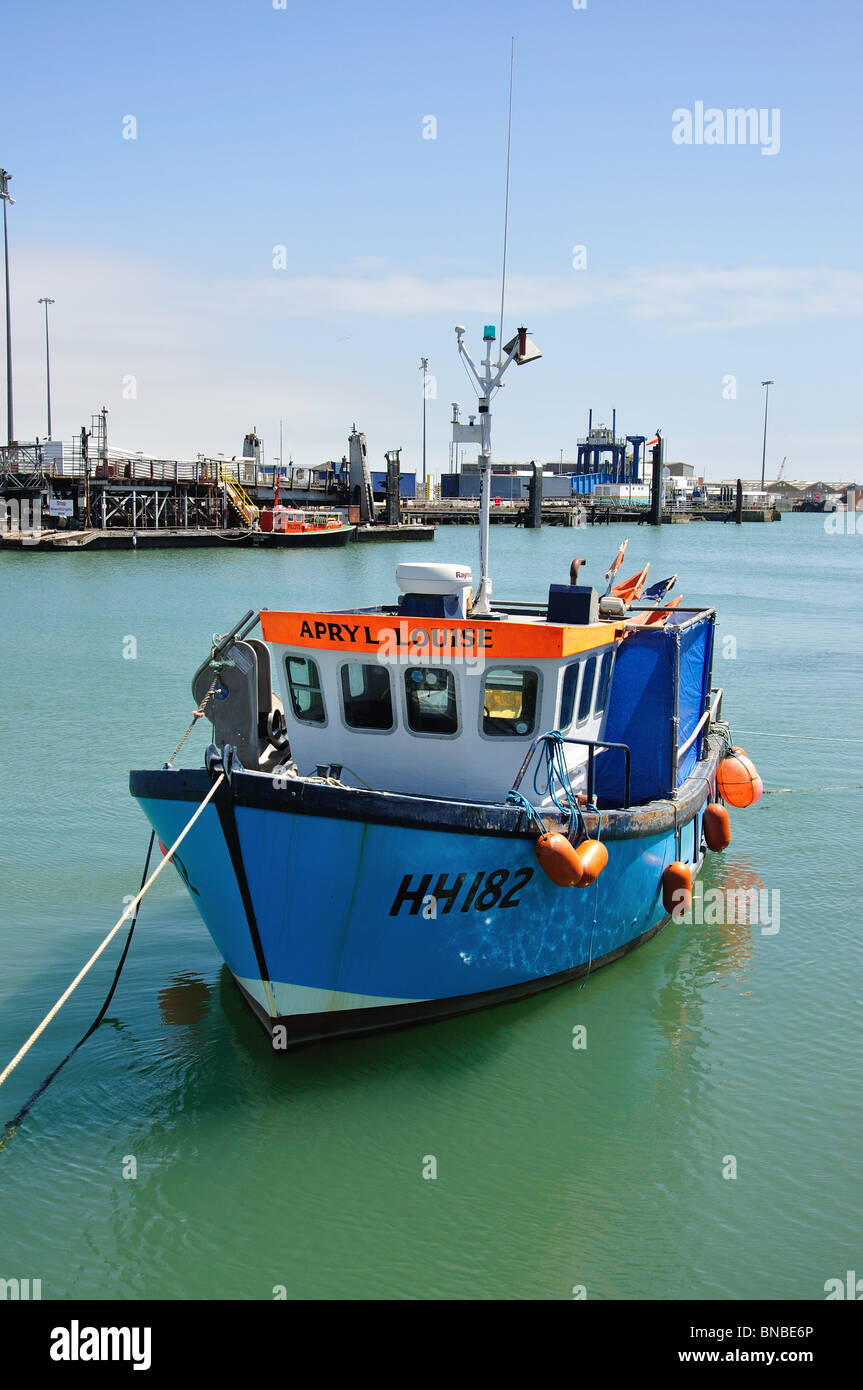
{"points": [[713, 707], [113, 466], [591, 744], [118, 465], [240, 498]]}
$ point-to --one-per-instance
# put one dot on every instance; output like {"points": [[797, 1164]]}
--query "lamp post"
{"points": [[767, 385], [46, 302], [424, 366], [7, 198]]}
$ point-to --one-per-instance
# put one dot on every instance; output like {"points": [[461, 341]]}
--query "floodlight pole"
{"points": [[7, 198], [46, 302], [767, 385], [424, 366]]}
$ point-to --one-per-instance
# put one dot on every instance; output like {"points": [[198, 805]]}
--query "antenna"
{"points": [[506, 200], [486, 380]]}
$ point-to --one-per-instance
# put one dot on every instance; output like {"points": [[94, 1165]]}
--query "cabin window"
{"points": [[367, 695], [509, 702], [304, 684], [586, 695], [431, 704], [567, 696], [605, 663]]}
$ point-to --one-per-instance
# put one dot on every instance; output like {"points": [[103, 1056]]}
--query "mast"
{"points": [[486, 384], [519, 350], [506, 196]]}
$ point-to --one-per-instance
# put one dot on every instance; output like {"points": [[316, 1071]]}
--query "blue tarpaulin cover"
{"points": [[641, 706]]}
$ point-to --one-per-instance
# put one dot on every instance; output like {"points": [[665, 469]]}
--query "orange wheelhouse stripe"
{"points": [[391, 634]]}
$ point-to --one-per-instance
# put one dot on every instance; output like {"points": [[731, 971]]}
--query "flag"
{"points": [[659, 617], [618, 561], [657, 592], [615, 566], [630, 589]]}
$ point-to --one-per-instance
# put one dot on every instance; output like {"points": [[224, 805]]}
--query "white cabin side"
{"points": [[458, 728]]}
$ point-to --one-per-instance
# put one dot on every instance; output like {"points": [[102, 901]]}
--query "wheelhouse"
{"points": [[416, 698], [293, 520], [437, 705]]}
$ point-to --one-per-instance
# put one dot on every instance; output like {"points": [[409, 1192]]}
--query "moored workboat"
{"points": [[450, 802], [289, 526]]}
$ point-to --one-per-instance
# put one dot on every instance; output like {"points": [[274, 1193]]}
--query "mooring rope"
{"points": [[595, 904], [790, 791], [533, 816], [199, 712], [553, 761], [773, 733], [11, 1125], [132, 907]]}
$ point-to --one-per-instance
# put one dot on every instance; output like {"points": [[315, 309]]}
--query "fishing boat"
{"points": [[451, 802]]}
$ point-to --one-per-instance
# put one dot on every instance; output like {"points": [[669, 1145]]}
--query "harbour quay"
{"points": [[88, 496]]}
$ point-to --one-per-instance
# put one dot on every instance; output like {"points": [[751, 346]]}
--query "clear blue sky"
{"points": [[303, 128]]}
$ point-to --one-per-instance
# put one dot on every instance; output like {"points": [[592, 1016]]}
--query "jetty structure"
{"points": [[614, 478], [87, 494]]}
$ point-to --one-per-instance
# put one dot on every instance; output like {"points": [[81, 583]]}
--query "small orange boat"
{"points": [[310, 528]]}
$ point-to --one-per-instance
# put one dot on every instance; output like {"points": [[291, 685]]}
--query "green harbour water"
{"points": [[557, 1167]]}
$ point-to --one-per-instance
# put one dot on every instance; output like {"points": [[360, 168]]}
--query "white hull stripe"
{"points": [[306, 999]]}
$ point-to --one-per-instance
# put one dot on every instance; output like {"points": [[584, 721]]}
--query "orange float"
{"points": [[593, 857], [738, 781], [559, 859], [716, 825], [677, 887]]}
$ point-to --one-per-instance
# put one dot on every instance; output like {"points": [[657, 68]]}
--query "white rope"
{"points": [[805, 738], [787, 791], [97, 953]]}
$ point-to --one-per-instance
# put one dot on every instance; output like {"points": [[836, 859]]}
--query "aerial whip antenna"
{"points": [[486, 380], [506, 199]]}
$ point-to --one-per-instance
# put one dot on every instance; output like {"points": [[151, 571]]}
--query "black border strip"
{"points": [[228, 821], [256, 790]]}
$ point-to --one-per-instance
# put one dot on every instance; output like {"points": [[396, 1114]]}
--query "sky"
{"points": [[254, 211]]}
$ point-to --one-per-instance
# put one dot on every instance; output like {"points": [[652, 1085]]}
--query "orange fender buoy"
{"points": [[716, 825], [593, 857], [163, 848], [677, 887], [559, 860], [738, 781]]}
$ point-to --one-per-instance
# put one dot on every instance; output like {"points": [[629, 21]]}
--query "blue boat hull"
{"points": [[343, 912]]}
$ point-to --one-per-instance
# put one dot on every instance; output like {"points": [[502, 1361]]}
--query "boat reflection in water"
{"points": [[185, 1001]]}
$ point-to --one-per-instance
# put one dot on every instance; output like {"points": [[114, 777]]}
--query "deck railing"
{"points": [[116, 465], [591, 744], [30, 459]]}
